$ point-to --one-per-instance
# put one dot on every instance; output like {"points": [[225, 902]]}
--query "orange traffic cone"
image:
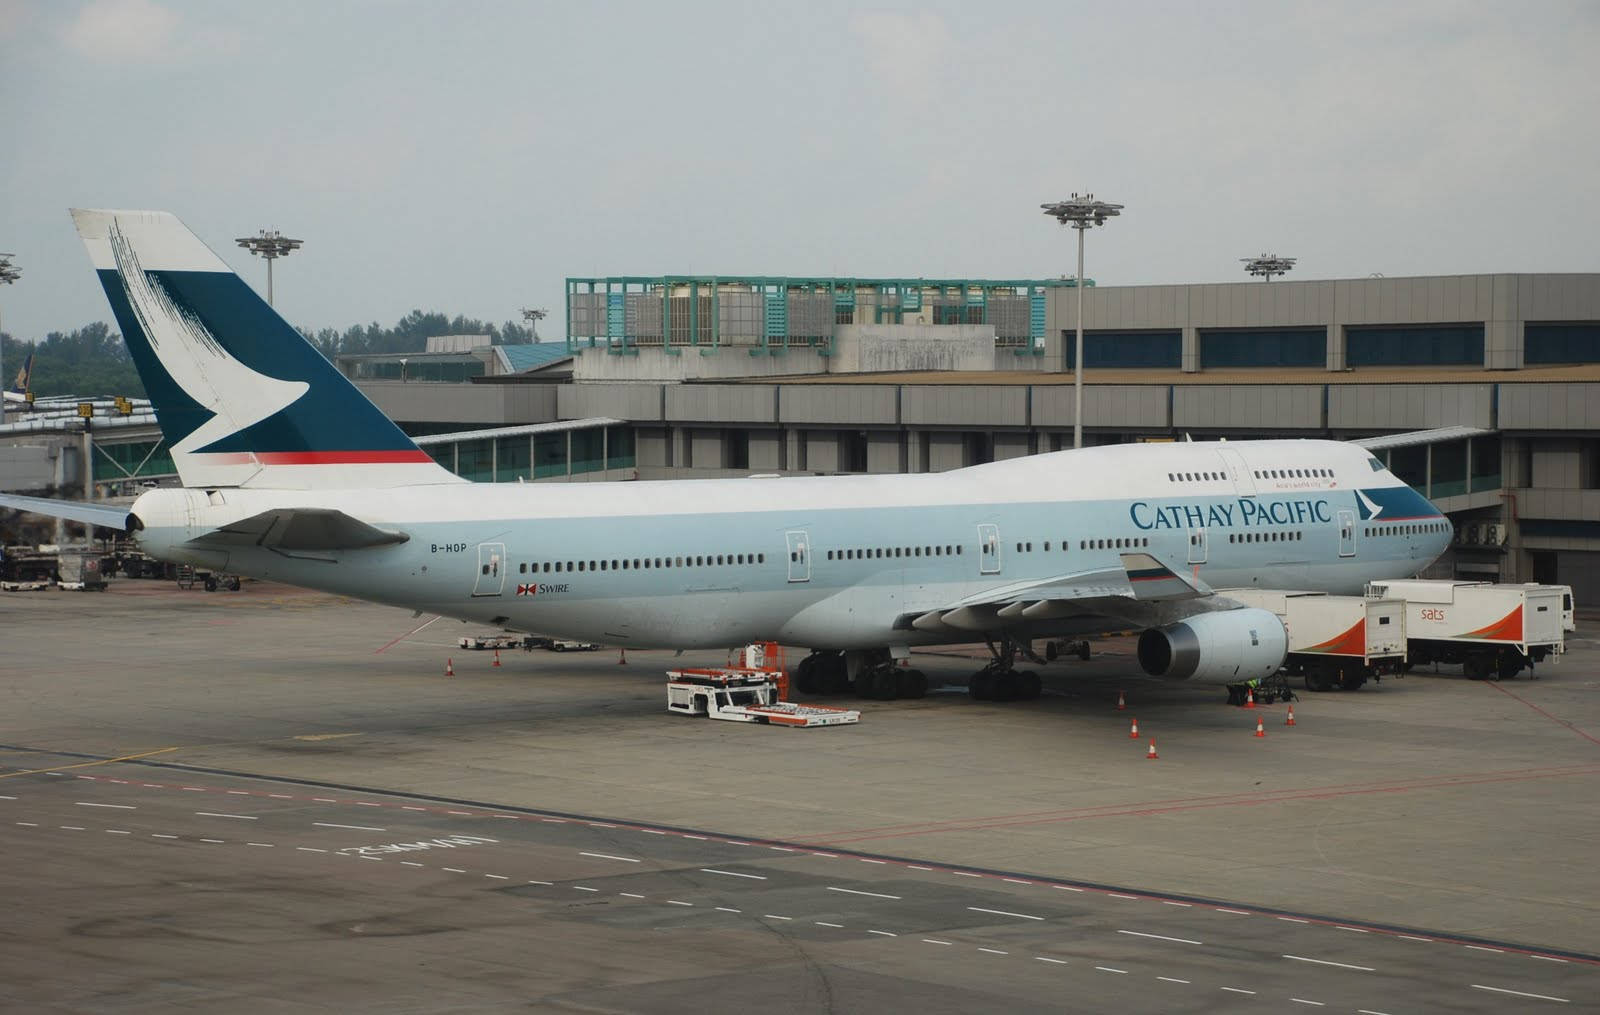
{"points": [[1290, 720], [449, 667], [622, 657], [1250, 698], [1122, 701], [1261, 729], [497, 657], [1133, 732], [1152, 756]]}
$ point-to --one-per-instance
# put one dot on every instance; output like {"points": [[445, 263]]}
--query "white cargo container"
{"points": [[1491, 630], [1335, 641]]}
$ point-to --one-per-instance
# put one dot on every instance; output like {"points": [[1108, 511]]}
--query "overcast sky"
{"points": [[468, 157]]}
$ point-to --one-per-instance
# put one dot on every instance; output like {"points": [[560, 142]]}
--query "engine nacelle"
{"points": [[1227, 647]]}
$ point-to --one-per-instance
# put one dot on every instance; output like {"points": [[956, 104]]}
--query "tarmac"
{"points": [[275, 800]]}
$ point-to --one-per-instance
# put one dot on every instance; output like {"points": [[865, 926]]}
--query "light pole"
{"points": [[533, 317], [1268, 265], [9, 273], [1080, 212], [270, 244]]}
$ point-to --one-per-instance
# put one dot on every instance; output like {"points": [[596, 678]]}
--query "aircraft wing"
{"points": [[110, 516], [300, 529], [1132, 591]]}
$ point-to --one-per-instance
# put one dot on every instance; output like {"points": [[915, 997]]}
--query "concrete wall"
{"points": [[1273, 408], [467, 404], [722, 403], [1574, 406], [694, 363], [843, 404], [1372, 408], [878, 348], [964, 405]]}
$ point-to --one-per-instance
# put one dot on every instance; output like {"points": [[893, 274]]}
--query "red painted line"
{"points": [[1547, 715], [394, 641]]}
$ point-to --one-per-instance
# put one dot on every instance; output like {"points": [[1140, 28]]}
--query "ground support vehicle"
{"points": [[81, 569], [28, 564], [484, 642], [1492, 631], [1335, 641], [188, 577], [751, 688]]}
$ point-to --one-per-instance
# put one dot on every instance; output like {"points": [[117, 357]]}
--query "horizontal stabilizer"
{"points": [[300, 529], [109, 516]]}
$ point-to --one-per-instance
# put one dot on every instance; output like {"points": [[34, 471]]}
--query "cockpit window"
{"points": [[1377, 466]]}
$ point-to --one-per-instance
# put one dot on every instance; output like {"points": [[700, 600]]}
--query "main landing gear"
{"points": [[872, 674], [1001, 680]]}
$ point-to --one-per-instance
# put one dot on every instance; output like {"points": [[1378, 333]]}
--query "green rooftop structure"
{"points": [[768, 315]]}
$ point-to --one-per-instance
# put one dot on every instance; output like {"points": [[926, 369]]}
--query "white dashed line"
{"points": [[3, 797], [915, 867], [630, 895], [966, 874], [651, 831], [827, 856], [197, 789], [266, 844], [160, 835], [310, 849], [460, 814], [215, 841], [1301, 1000], [1001, 912], [772, 916], [28, 824], [497, 877], [852, 891], [411, 863], [72, 828], [1172, 979], [701, 838], [1369, 1011], [728, 909], [1161, 937], [675, 902], [354, 828], [579, 888], [1235, 912], [993, 951], [1016, 881], [882, 933], [1180, 905], [1053, 962], [554, 821], [592, 824], [318, 799], [1353, 930], [404, 807], [1290, 919], [117, 831], [835, 926], [547, 884], [1119, 895], [1409, 937], [213, 814], [1067, 888], [1481, 948], [1547, 958], [359, 803], [458, 870], [285, 796], [731, 874], [727, 842], [1520, 993], [608, 856], [245, 792], [1238, 990], [119, 807], [1108, 969], [780, 849], [1325, 962], [866, 860], [936, 941]]}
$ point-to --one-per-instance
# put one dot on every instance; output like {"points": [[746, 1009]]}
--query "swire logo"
{"points": [[545, 589]]}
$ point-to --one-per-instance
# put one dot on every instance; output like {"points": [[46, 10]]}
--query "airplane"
{"points": [[18, 392], [290, 474]]}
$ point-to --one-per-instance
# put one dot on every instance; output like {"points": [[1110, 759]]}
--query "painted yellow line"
{"points": [[88, 764]]}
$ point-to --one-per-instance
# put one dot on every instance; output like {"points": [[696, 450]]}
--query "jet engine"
{"points": [[1226, 647]]}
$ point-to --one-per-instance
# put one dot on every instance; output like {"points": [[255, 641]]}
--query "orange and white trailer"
{"points": [[1335, 641], [749, 689], [1491, 630]]}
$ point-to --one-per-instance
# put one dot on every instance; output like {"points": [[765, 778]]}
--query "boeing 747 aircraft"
{"points": [[18, 392], [290, 474]]}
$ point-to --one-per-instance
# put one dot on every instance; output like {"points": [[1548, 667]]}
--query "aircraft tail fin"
{"points": [[19, 387], [242, 398]]}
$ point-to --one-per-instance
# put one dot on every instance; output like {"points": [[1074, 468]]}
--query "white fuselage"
{"points": [[840, 561]]}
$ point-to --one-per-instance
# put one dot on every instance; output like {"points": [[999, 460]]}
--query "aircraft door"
{"points": [[491, 570], [1347, 533], [988, 549], [1197, 546], [799, 555], [1244, 483]]}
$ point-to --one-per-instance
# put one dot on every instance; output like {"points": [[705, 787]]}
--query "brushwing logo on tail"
{"points": [[238, 396]]}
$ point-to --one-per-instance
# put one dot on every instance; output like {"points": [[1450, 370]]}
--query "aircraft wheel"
{"points": [[1083, 650], [911, 684], [1005, 686], [1028, 685], [805, 681], [885, 685], [981, 686]]}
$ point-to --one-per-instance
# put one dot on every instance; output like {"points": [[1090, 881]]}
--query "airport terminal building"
{"points": [[1484, 389]]}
